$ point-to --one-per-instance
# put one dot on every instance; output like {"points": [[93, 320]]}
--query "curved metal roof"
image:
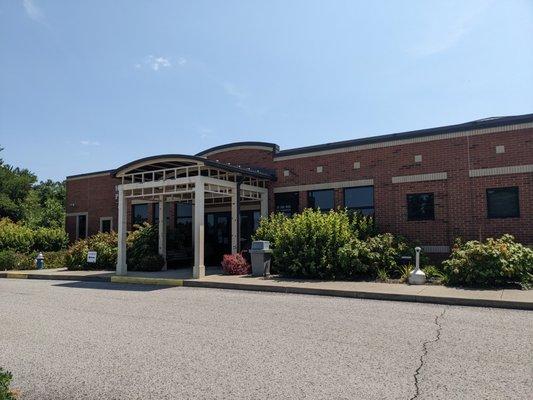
{"points": [[165, 161], [225, 147]]}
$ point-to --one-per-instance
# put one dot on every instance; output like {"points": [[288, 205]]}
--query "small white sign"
{"points": [[91, 256]]}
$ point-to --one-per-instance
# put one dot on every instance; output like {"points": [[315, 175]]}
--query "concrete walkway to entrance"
{"points": [[500, 298]]}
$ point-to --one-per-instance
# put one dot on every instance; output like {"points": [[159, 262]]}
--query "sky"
{"points": [[91, 85]]}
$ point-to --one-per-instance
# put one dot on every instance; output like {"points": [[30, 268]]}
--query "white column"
{"points": [[264, 204], [122, 267], [199, 267], [163, 231], [234, 219]]}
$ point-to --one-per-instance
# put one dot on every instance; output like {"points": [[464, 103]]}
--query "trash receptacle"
{"points": [[261, 255]]}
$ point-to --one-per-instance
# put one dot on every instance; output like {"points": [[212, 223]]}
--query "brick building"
{"points": [[472, 180]]}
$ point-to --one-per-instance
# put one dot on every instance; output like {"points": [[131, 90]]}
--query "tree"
{"points": [[22, 200], [15, 184]]}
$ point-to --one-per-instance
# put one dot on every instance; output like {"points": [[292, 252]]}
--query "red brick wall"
{"points": [[460, 204], [94, 195]]}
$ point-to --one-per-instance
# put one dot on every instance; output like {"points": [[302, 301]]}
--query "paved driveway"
{"points": [[68, 340]]}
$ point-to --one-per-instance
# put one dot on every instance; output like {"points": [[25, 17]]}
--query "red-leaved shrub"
{"points": [[235, 264]]}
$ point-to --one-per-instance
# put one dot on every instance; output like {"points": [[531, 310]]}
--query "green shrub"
{"points": [[142, 246], [5, 381], [316, 244], [10, 259], [105, 244], [15, 237], [49, 239], [142, 251], [55, 259], [494, 262], [22, 239]]}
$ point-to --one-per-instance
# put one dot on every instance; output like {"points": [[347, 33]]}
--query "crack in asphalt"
{"points": [[425, 352]]}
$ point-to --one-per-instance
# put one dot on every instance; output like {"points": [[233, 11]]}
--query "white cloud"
{"points": [[90, 143], [33, 11], [160, 62], [233, 91]]}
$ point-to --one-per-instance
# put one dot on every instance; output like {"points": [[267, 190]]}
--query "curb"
{"points": [[146, 281], [457, 301]]}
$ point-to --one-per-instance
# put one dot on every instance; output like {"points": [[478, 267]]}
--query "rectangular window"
{"points": [[503, 203], [287, 203], [420, 207], [106, 224], [321, 199], [81, 226], [360, 199], [139, 213]]}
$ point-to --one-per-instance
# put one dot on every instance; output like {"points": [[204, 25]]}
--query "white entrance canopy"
{"points": [[189, 179]]}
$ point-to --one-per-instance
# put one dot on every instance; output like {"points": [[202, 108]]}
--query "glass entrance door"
{"points": [[217, 237]]}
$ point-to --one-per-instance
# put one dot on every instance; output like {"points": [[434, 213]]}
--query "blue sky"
{"points": [[86, 86]]}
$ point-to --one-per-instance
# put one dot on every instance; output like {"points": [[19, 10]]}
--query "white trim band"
{"points": [[437, 176], [421, 139], [515, 169], [323, 186]]}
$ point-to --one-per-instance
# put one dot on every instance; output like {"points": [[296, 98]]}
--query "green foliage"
{"points": [[50, 239], [5, 381], [142, 251], [10, 259], [434, 273], [382, 275], [494, 262], [333, 245], [404, 271], [36, 205], [15, 236], [105, 244], [22, 239]]}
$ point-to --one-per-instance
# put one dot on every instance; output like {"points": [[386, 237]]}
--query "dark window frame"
{"points": [[372, 207], [133, 206], [322, 190], [294, 195], [494, 214], [412, 217]]}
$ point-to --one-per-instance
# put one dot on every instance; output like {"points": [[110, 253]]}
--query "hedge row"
{"points": [[142, 251], [341, 245], [21, 239]]}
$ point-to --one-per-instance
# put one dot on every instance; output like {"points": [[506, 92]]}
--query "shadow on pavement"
{"points": [[132, 287]]}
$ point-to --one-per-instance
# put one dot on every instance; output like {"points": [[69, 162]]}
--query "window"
{"points": [[322, 199], [81, 226], [106, 224], [503, 203], [420, 207], [360, 199], [139, 213], [287, 203], [183, 213]]}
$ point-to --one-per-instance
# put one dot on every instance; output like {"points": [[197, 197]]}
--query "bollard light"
{"points": [[417, 276]]}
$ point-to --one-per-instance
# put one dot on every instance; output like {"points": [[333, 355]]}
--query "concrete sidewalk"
{"points": [[499, 298]]}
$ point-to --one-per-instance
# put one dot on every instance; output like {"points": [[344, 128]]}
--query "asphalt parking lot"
{"points": [[83, 340]]}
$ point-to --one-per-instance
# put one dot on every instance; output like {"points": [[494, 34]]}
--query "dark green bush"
{"points": [[105, 244], [142, 251], [5, 381], [142, 246], [494, 262], [10, 259], [15, 237], [316, 244], [22, 239], [49, 239]]}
